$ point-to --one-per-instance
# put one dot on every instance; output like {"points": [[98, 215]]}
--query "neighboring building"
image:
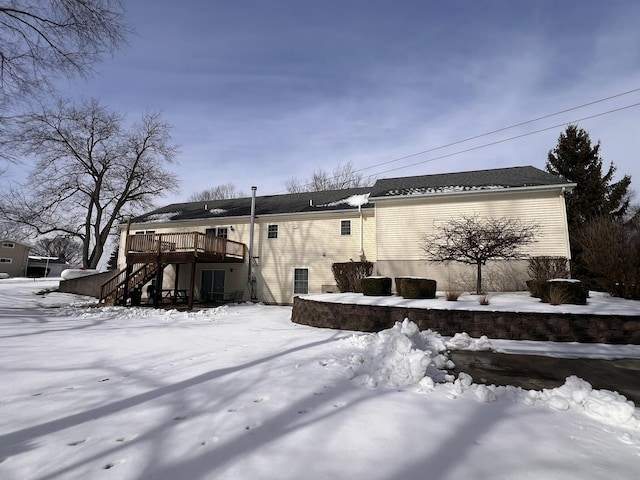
{"points": [[14, 257], [40, 266], [297, 237]]}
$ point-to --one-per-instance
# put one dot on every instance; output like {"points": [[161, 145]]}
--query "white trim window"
{"points": [[345, 227], [8, 245], [272, 230], [6, 260], [300, 281], [222, 232]]}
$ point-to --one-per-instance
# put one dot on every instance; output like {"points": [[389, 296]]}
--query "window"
{"points": [[8, 245], [145, 232], [345, 227], [272, 231], [222, 232], [300, 281], [6, 260]]}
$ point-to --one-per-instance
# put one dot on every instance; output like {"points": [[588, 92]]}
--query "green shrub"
{"points": [[348, 275], [413, 287], [558, 292], [398, 281], [376, 286]]}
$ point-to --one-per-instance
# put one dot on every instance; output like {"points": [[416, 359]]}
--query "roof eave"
{"points": [[561, 187]]}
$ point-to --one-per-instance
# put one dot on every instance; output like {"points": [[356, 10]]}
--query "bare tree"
{"points": [[40, 39], [610, 249], [474, 240], [63, 247], [220, 192], [90, 171], [343, 176]]}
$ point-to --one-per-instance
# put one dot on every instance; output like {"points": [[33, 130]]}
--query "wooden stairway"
{"points": [[113, 291]]}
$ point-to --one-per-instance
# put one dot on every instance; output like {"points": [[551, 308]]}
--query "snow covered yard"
{"points": [[240, 392]]}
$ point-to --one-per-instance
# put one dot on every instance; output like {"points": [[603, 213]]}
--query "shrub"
{"points": [[376, 286], [398, 281], [348, 275], [418, 287], [452, 295], [484, 299], [536, 287], [565, 291], [610, 251], [546, 267]]}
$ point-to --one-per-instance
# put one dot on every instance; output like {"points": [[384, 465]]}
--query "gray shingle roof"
{"points": [[334, 200], [330, 200], [465, 181]]}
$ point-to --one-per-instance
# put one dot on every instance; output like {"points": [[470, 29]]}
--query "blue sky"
{"points": [[259, 91]]}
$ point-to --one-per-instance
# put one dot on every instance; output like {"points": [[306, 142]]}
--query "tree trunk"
{"points": [[479, 279]]}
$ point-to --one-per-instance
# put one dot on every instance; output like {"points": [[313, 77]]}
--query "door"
{"points": [[212, 285]]}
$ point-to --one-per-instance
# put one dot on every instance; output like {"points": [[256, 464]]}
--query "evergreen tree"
{"points": [[578, 161], [594, 197]]}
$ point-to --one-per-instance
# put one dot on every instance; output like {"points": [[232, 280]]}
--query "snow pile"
{"points": [[443, 189], [462, 341], [398, 357], [402, 356], [217, 211], [117, 313], [162, 217], [352, 201]]}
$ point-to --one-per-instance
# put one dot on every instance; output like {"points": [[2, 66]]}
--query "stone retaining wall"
{"points": [[89, 285], [557, 327]]}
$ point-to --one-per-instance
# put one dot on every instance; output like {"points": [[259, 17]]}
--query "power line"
{"points": [[475, 137], [492, 143]]}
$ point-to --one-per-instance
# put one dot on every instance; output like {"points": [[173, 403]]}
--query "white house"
{"points": [[201, 251]]}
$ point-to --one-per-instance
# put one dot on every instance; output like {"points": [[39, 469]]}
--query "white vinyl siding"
{"points": [[405, 223]]}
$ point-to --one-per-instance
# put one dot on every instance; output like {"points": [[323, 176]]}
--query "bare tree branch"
{"points": [[90, 170], [474, 240], [41, 39], [343, 176]]}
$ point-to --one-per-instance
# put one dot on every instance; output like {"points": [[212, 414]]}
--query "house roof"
{"points": [[494, 179], [352, 198], [330, 200]]}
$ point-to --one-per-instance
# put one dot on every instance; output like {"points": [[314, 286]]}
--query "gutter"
{"points": [[565, 187]]}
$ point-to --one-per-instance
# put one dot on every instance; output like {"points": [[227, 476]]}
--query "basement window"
{"points": [[300, 281]]}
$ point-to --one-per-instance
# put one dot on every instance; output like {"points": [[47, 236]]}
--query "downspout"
{"points": [[362, 257], [250, 277]]}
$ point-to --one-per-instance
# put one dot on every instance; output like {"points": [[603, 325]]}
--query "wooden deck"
{"points": [[183, 247]]}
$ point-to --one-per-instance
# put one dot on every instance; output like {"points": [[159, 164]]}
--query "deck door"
{"points": [[212, 285]]}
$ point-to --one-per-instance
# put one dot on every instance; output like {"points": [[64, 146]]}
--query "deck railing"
{"points": [[185, 242]]}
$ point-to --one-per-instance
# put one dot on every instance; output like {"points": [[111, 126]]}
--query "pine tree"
{"points": [[594, 197], [578, 161]]}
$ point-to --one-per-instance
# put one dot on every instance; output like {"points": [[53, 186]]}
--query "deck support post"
{"points": [[158, 291], [192, 281], [176, 272], [125, 296]]}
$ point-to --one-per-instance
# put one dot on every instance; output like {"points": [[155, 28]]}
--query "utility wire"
{"points": [[475, 137], [459, 152]]}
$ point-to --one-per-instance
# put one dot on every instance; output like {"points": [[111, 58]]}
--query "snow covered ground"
{"points": [[240, 392]]}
